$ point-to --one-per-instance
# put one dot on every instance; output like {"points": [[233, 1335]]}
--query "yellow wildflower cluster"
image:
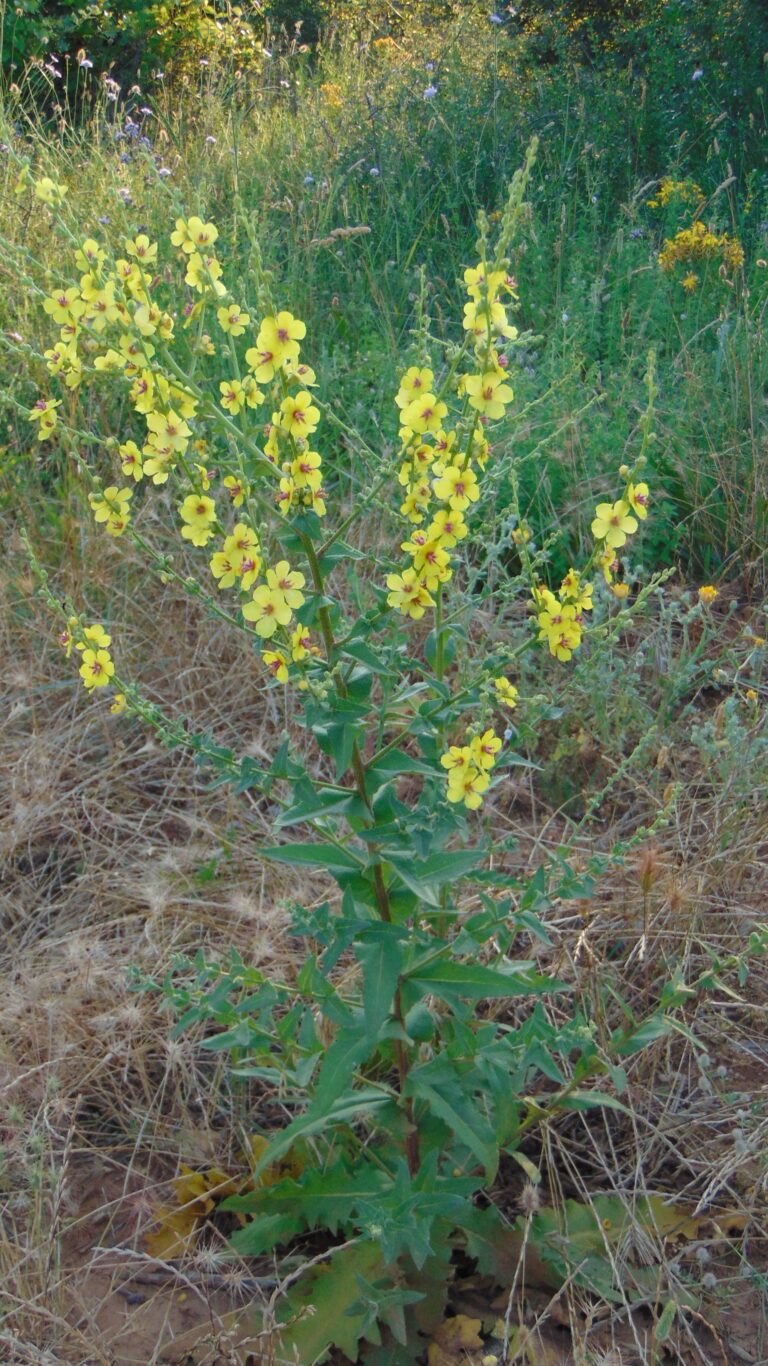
{"points": [[469, 768], [111, 323], [613, 523], [438, 468], [560, 616], [111, 508], [684, 191], [695, 246], [97, 668]]}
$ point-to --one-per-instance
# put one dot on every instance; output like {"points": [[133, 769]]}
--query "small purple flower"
{"points": [[430, 92], [211, 140], [495, 18], [86, 63], [163, 171]]}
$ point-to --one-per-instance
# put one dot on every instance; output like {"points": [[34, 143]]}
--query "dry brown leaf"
{"points": [[454, 1341], [175, 1234]]}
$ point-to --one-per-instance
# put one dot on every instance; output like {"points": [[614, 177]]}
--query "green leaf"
{"points": [[529, 1167], [324, 803], [263, 1234], [666, 1319], [357, 649], [330, 1197], [328, 856], [382, 961], [590, 1100], [475, 982], [338, 550], [348, 1049], [347, 1108], [397, 761], [463, 1116], [426, 877], [656, 1027], [331, 1292]]}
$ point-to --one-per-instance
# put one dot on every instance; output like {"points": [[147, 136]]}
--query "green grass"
{"points": [[349, 137]]}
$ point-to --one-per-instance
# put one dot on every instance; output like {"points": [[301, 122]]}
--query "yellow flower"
{"points": [[119, 704], [708, 593], [506, 692], [613, 523], [65, 305], [198, 514], [49, 191], [277, 664], [467, 780], [169, 429], [237, 489], [203, 274], [620, 590], [690, 281], [94, 635], [430, 560], [268, 610], [96, 669], [111, 507], [305, 470], [233, 320], [484, 749], [563, 640], [424, 414], [192, 234], [458, 487], [638, 497], [44, 413], [142, 248], [488, 393], [232, 395], [413, 385], [409, 593], [301, 644], [297, 415], [447, 527], [289, 582]]}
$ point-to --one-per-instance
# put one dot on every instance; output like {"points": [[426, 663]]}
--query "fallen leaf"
{"points": [[454, 1340]]}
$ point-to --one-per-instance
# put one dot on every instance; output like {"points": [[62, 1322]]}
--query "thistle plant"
{"points": [[405, 1088]]}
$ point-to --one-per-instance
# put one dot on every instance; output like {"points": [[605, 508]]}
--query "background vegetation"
{"points": [[360, 141]]}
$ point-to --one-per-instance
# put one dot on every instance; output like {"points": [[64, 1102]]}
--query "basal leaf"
{"points": [[331, 1292]]}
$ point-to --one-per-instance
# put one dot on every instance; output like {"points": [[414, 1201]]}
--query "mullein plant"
{"points": [[418, 1094]]}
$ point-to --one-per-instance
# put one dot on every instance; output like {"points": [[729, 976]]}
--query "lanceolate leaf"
{"points": [[461, 1113], [427, 877], [382, 961], [475, 982], [328, 856]]}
